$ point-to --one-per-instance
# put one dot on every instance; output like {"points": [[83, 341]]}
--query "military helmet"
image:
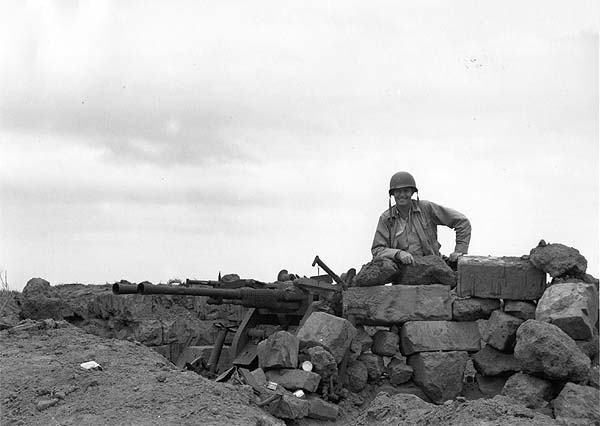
{"points": [[402, 180]]}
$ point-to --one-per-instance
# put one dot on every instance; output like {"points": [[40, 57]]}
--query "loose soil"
{"points": [[42, 383]]}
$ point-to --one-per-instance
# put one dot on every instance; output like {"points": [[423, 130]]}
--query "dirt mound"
{"points": [[43, 383]]}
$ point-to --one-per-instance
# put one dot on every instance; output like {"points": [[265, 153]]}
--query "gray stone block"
{"points": [[389, 305], [426, 336], [439, 374], [333, 333], [322, 410], [279, 350], [503, 331], [573, 307], [499, 278], [356, 376], [473, 308]]}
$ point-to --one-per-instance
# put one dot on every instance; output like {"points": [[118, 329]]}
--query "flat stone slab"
{"points": [[333, 333], [428, 336], [573, 307], [388, 305], [439, 374], [492, 362], [499, 278], [545, 350], [294, 379], [473, 308]]}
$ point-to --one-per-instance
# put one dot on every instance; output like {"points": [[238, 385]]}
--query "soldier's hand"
{"points": [[404, 257], [454, 257]]}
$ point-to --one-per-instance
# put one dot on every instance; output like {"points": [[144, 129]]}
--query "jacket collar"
{"points": [[415, 208]]}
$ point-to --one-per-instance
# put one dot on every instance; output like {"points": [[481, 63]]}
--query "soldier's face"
{"points": [[403, 196]]}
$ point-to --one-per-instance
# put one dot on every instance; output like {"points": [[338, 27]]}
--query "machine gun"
{"points": [[285, 304]]}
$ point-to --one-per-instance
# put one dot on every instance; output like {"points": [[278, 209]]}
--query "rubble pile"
{"points": [[527, 340]]}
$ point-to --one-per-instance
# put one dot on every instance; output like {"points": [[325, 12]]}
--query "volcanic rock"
{"points": [[333, 333], [532, 392], [389, 305], [521, 309], [473, 308], [374, 364], [573, 307], [577, 402], [439, 374], [491, 362], [424, 336], [502, 330], [279, 350], [379, 271], [385, 343], [558, 259], [544, 349], [426, 270], [357, 376]]}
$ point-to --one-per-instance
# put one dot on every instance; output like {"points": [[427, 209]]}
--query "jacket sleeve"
{"points": [[453, 219], [381, 240]]}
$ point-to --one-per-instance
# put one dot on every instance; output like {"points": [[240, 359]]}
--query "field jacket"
{"points": [[418, 233]]}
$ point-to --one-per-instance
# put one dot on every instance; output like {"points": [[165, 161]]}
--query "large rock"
{"points": [[576, 403], [558, 259], [503, 331], [374, 364], [333, 333], [573, 307], [40, 301], [290, 407], [532, 392], [521, 309], [385, 343], [426, 270], [509, 278], [379, 271], [544, 349], [279, 350], [356, 376], [492, 362], [294, 379], [389, 305], [473, 308], [439, 374], [426, 336]]}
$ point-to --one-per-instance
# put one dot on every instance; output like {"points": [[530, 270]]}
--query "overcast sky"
{"points": [[157, 140]]}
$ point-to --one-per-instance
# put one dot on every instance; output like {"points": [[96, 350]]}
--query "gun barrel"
{"points": [[124, 288], [284, 299]]}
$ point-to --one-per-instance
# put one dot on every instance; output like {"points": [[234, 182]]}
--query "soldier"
{"points": [[409, 228]]}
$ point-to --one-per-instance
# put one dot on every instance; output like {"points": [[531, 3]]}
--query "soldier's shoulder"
{"points": [[385, 214]]}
